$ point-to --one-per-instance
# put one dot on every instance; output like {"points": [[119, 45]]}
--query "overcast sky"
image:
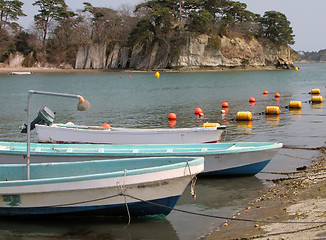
{"points": [[307, 17]]}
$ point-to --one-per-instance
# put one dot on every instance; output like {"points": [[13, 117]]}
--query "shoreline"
{"points": [[7, 70], [278, 213]]}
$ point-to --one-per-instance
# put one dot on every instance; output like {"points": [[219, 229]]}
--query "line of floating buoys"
{"points": [[295, 104], [244, 116], [316, 99], [274, 110], [315, 91]]}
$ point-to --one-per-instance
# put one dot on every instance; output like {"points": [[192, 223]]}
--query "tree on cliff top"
{"points": [[49, 10], [276, 28], [10, 11]]}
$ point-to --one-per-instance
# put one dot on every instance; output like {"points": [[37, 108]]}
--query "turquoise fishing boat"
{"points": [[221, 159], [124, 187]]}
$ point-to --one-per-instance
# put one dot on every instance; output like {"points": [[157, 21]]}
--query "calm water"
{"points": [[140, 100]]}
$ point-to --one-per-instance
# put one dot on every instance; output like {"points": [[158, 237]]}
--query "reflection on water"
{"points": [[86, 228], [272, 120], [215, 197], [244, 126]]}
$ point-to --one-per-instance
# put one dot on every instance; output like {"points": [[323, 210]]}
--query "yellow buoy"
{"points": [[295, 104], [316, 99], [272, 110], [296, 68], [315, 91], [157, 75], [244, 116], [211, 125]]}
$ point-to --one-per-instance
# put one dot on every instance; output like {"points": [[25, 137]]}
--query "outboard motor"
{"points": [[45, 116]]}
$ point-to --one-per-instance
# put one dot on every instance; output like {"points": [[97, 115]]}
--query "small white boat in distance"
{"points": [[20, 73], [68, 133], [135, 187]]}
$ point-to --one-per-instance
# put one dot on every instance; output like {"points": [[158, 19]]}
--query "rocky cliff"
{"points": [[196, 53]]}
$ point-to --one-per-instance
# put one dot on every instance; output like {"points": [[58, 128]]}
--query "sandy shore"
{"points": [[286, 211]]}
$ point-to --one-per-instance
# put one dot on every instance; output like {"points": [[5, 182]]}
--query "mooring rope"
{"points": [[220, 217], [123, 191], [183, 211], [193, 182]]}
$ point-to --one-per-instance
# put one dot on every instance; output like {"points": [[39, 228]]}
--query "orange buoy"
{"points": [[106, 125], [252, 99], [211, 124], [315, 91], [295, 104], [129, 76], [272, 110], [198, 110], [316, 99], [277, 95], [244, 116], [172, 116], [225, 105], [265, 92]]}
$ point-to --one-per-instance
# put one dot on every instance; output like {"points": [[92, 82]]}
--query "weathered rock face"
{"points": [[234, 52], [16, 60], [196, 53], [91, 56]]}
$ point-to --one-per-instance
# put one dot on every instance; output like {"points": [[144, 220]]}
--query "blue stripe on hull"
{"points": [[247, 170], [135, 209]]}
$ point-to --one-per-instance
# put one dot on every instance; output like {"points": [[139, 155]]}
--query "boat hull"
{"points": [[98, 135], [120, 193], [221, 159]]}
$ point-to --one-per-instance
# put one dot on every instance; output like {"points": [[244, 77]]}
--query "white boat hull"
{"points": [[221, 159], [57, 133]]}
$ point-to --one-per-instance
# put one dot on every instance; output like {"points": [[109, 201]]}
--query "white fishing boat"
{"points": [[20, 73], [69, 133], [221, 159], [124, 187]]}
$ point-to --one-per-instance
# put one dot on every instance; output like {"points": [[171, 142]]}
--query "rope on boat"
{"points": [[123, 191], [185, 211], [193, 182]]}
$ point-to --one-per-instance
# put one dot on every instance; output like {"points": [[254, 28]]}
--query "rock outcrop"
{"points": [[195, 53]]}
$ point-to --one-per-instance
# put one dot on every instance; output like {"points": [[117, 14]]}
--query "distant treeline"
{"points": [[319, 56], [58, 32]]}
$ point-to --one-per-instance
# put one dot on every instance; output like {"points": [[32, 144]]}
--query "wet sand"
{"points": [[286, 211]]}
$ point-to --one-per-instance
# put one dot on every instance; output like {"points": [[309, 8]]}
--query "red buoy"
{"points": [[225, 105], [277, 95], [198, 110], [252, 99], [172, 116], [106, 125], [265, 92]]}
